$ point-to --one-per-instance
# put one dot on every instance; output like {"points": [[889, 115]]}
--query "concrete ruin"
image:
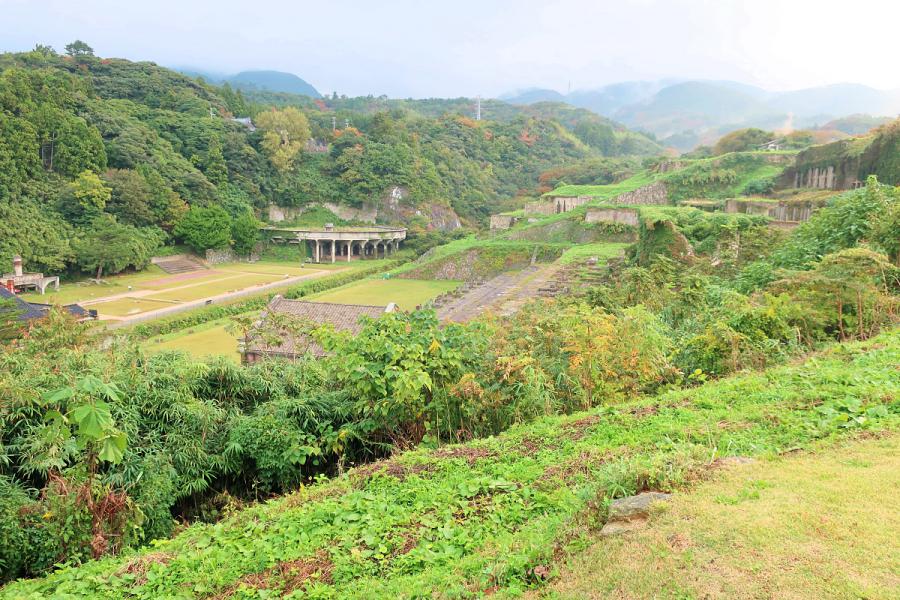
{"points": [[554, 205], [625, 216], [500, 222], [20, 281], [817, 177], [331, 243], [785, 212]]}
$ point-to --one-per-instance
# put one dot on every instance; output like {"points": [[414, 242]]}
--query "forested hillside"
{"points": [[97, 152]]}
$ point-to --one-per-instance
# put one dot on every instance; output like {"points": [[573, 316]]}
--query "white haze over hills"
{"points": [[685, 113], [677, 61]]}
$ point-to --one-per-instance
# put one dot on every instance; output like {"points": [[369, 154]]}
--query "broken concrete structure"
{"points": [[330, 242], [20, 281]]}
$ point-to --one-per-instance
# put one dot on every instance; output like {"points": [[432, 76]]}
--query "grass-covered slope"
{"points": [[605, 192], [473, 258], [496, 515], [771, 529], [726, 176]]}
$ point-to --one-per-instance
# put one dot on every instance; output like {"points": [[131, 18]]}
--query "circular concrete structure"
{"points": [[329, 243]]}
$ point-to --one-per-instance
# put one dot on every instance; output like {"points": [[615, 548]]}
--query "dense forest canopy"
{"points": [[91, 143]]}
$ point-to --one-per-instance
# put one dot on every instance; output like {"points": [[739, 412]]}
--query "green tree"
{"points": [[284, 134], [204, 228], [742, 140], [79, 49], [167, 206], [19, 159], [84, 199], [68, 145], [214, 164], [44, 50], [244, 234], [131, 197], [36, 233], [108, 246]]}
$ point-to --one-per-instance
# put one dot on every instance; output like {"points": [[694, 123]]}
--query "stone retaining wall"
{"points": [[503, 221], [626, 216], [654, 193], [227, 255], [554, 205], [366, 214], [795, 212]]}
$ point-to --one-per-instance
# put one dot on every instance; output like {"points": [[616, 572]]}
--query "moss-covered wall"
{"points": [[484, 262], [852, 160]]}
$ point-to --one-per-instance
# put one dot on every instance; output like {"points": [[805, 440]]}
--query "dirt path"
{"points": [[115, 322], [504, 293], [529, 289]]}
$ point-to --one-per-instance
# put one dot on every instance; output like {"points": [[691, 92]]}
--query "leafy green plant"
{"points": [[84, 406]]}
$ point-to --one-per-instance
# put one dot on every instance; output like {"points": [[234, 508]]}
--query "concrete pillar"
{"points": [[317, 251], [332, 251], [349, 249]]}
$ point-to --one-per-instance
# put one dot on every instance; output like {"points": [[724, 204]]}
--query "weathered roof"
{"points": [[343, 317], [34, 310]]}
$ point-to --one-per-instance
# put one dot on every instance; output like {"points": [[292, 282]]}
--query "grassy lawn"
{"points": [[292, 269], [407, 293], [223, 284], [124, 307], [79, 291], [602, 250], [810, 526], [154, 278], [203, 340]]}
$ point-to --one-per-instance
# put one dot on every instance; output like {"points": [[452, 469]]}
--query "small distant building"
{"points": [[771, 146], [20, 281], [246, 122], [343, 317], [29, 311]]}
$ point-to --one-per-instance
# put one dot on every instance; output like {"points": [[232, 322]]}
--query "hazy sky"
{"points": [[465, 47]]}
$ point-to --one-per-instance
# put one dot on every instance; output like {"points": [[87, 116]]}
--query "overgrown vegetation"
{"points": [[491, 516], [203, 437]]}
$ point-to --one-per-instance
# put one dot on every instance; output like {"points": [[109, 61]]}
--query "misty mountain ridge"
{"points": [[263, 80], [688, 112]]}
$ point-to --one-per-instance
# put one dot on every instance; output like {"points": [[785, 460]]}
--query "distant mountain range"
{"points": [[683, 114], [270, 81]]}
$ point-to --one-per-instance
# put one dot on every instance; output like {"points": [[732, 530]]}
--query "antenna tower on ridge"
{"points": [[477, 108]]}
